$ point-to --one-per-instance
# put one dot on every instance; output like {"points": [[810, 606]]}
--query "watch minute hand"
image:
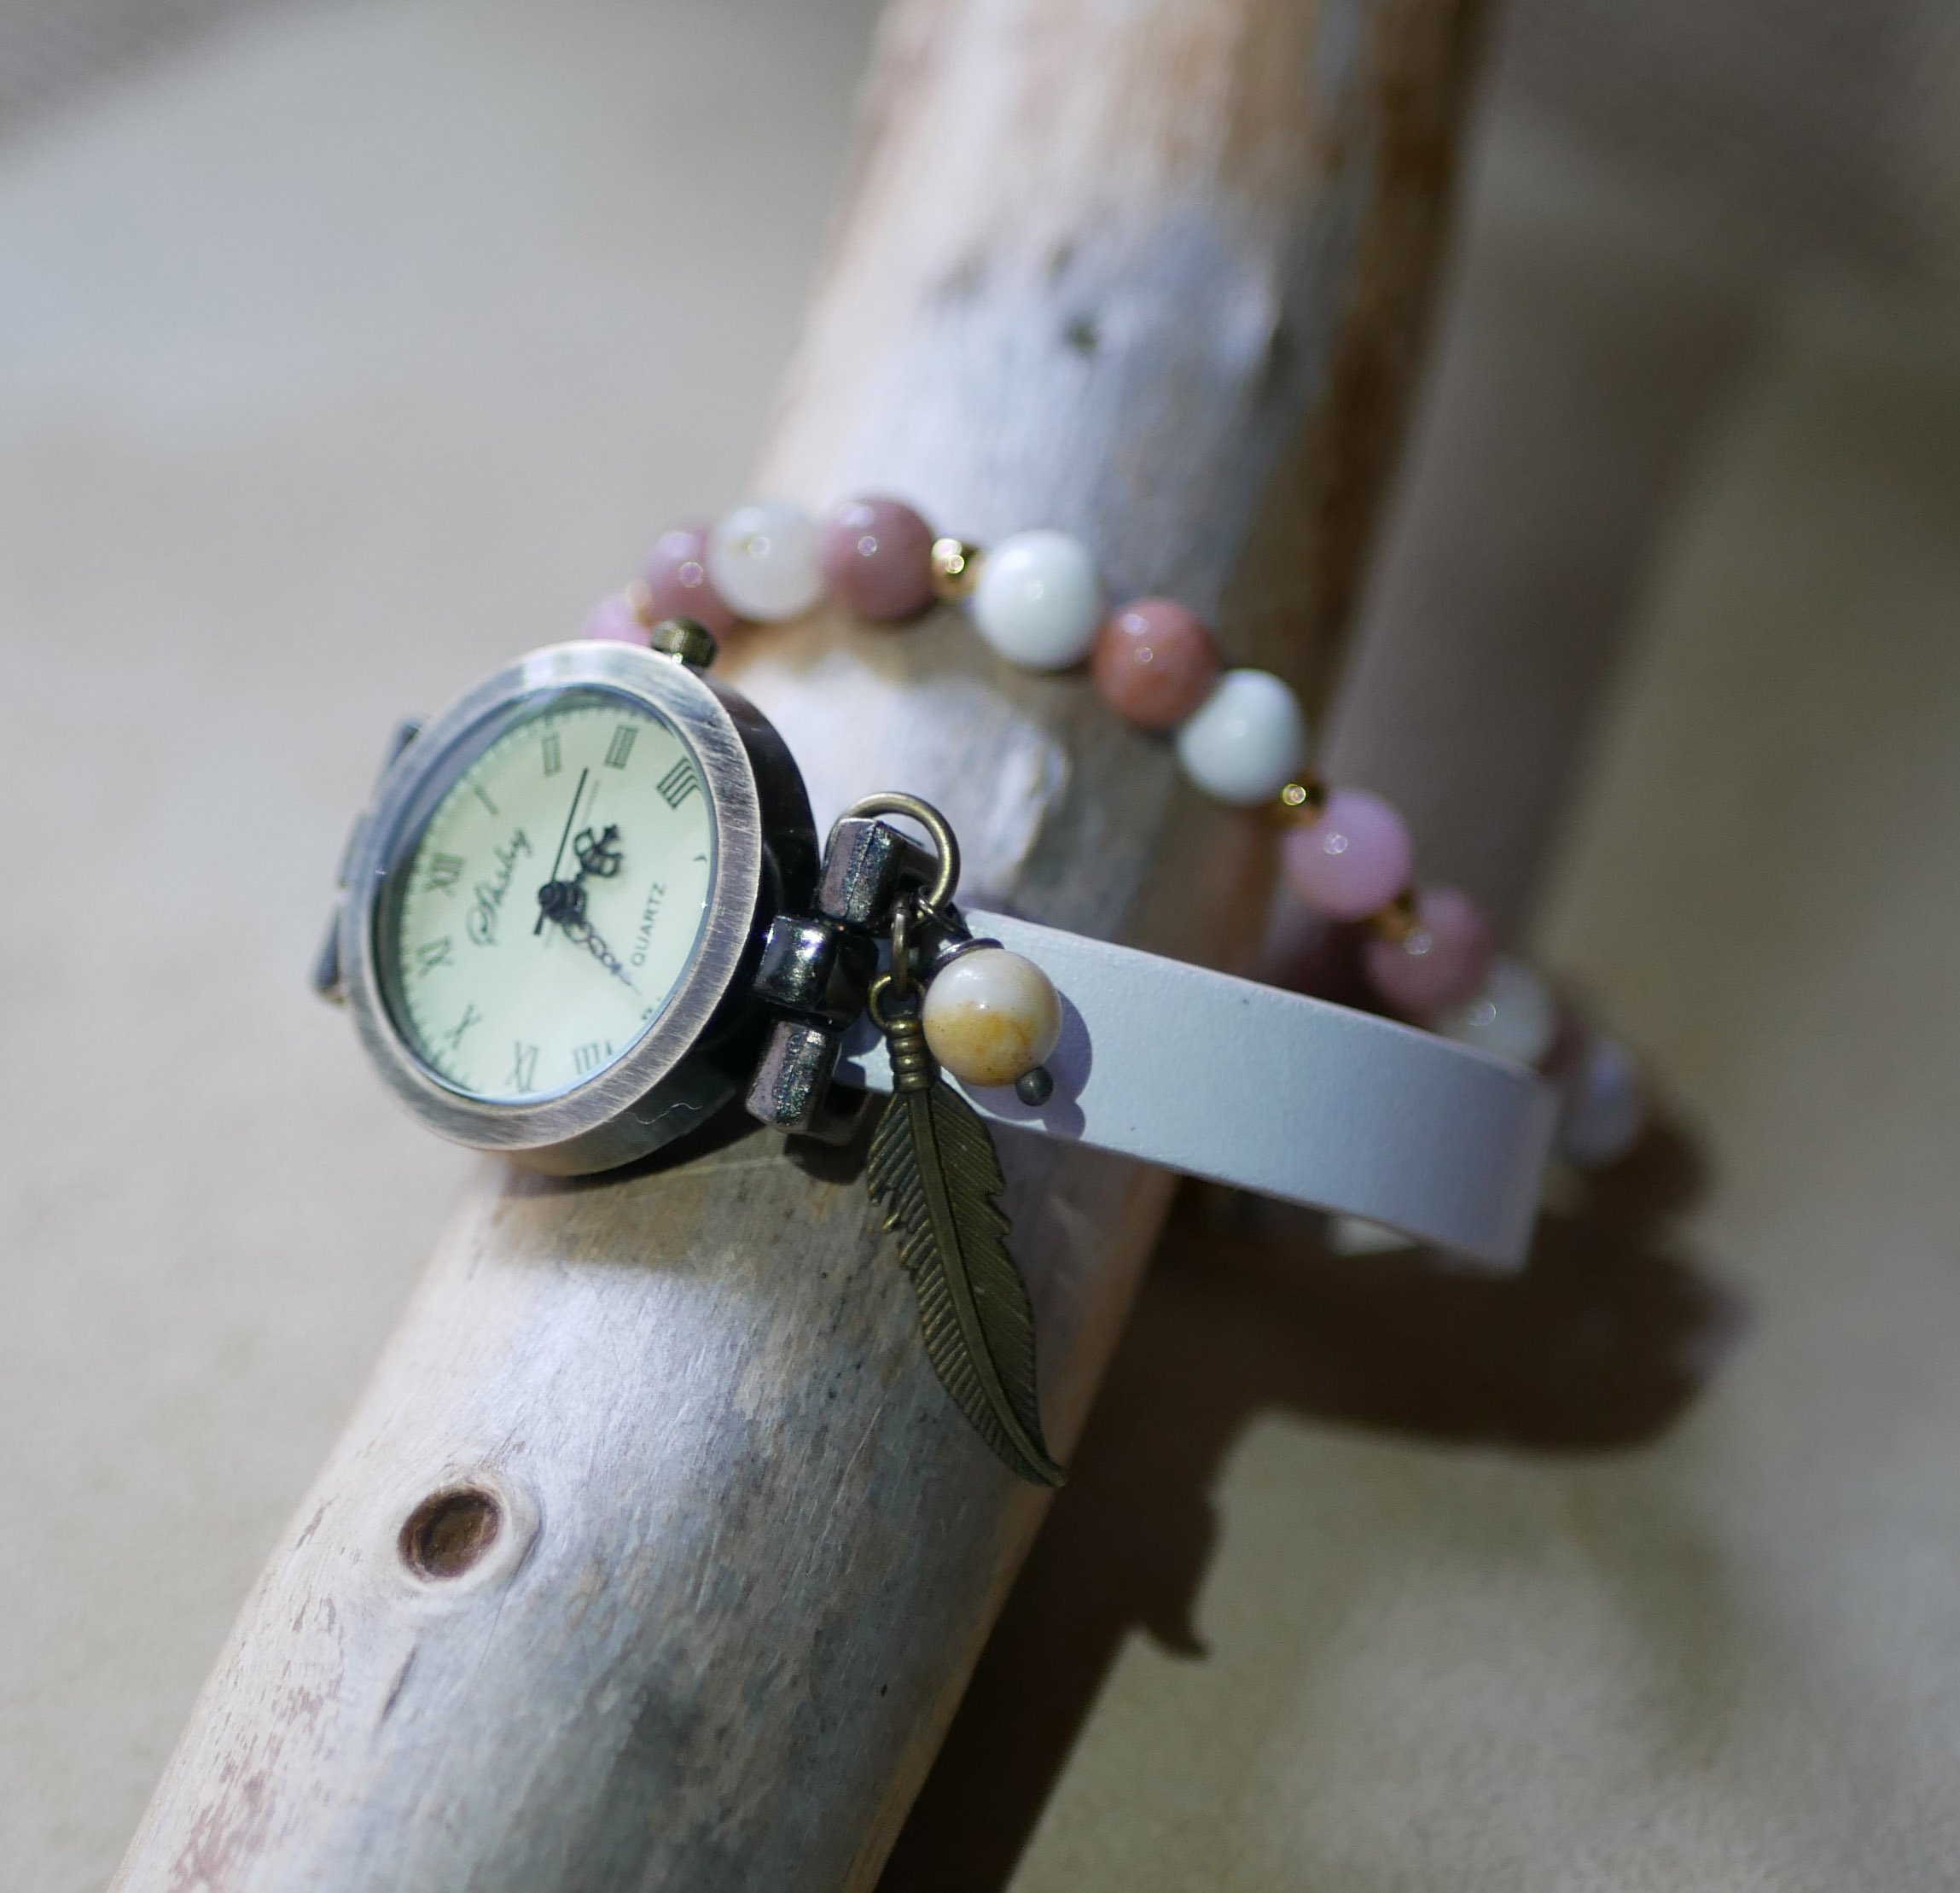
{"points": [[544, 911]]}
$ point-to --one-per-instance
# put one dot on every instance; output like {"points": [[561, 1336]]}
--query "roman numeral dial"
{"points": [[441, 873], [678, 783], [551, 905]]}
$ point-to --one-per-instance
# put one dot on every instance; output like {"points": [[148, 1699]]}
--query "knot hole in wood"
{"points": [[451, 1532]]}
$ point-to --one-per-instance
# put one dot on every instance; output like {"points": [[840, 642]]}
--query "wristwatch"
{"points": [[586, 909]]}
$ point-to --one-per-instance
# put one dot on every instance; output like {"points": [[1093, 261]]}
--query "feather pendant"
{"points": [[933, 1167]]}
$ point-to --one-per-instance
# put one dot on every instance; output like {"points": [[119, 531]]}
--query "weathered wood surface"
{"points": [[1153, 273]]}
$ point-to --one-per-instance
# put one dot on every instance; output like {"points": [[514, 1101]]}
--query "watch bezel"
{"points": [[661, 1086]]}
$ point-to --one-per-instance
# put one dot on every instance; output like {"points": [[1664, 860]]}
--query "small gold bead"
{"points": [[639, 596], [955, 568], [1398, 920], [1302, 800]]}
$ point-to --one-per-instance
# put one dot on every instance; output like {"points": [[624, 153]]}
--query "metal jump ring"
{"points": [[874, 1003], [901, 973], [894, 802]]}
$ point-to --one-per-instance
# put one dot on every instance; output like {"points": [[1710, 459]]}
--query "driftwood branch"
{"points": [[654, 1555]]}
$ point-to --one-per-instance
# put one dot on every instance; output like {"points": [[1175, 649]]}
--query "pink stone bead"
{"points": [[677, 584], [615, 619], [876, 558], [1441, 964], [1354, 861], [1154, 662]]}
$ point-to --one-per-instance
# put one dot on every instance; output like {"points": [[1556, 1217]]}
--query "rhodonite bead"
{"points": [[677, 584], [1154, 662], [1440, 961], [1246, 740], [616, 618], [991, 1016], [876, 557], [1514, 1014], [1353, 860], [1038, 600], [1604, 1111], [762, 558]]}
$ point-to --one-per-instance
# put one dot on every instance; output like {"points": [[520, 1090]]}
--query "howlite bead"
{"points": [[1038, 600], [1605, 1111], [762, 558], [1513, 1017], [1247, 740]]}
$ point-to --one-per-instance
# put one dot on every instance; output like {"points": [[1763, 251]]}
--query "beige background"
{"points": [[351, 351]]}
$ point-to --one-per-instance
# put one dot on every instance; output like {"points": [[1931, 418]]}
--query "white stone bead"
{"points": [[1604, 1110], [762, 558], [1039, 601], [991, 1016], [1246, 741], [1514, 1016]]}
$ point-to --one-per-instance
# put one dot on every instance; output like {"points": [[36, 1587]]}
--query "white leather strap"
{"points": [[1275, 1092]]}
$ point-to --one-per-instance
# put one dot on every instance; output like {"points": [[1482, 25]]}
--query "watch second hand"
{"points": [[571, 816], [581, 929]]}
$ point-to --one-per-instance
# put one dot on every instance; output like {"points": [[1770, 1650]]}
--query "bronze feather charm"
{"points": [[933, 1167]]}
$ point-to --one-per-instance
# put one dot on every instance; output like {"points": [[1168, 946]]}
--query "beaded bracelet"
{"points": [[1240, 735]]}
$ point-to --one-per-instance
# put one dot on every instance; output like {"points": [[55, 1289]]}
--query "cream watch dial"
{"points": [[552, 900]]}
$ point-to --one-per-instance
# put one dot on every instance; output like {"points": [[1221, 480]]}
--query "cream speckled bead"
{"points": [[991, 1016], [1247, 740], [763, 560], [1514, 1016], [1039, 601]]}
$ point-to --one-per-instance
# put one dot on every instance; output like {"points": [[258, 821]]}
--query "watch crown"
{"points": [[686, 640]]}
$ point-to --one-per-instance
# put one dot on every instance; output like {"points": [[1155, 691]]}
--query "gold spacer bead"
{"points": [[1302, 800], [955, 568], [1398, 920], [639, 596]]}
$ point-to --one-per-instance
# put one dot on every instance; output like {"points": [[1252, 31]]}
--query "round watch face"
{"points": [[545, 896]]}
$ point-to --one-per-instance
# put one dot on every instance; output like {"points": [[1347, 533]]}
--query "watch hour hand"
{"points": [[563, 902]]}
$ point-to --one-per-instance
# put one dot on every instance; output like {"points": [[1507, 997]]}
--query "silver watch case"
{"points": [[698, 1054]]}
